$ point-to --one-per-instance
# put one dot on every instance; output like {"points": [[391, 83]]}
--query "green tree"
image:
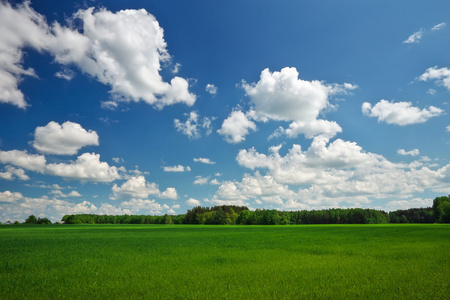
{"points": [[31, 220]]}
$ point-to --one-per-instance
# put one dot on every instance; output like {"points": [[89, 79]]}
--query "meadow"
{"points": [[389, 261]]}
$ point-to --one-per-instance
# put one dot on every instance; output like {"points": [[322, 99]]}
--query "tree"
{"points": [[31, 220], [441, 209]]}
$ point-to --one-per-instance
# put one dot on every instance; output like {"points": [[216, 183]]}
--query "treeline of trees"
{"points": [[241, 215], [33, 220], [413, 215], [123, 219]]}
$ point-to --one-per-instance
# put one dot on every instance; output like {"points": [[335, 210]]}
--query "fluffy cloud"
{"points": [[12, 173], [283, 96], [415, 37], [200, 180], [447, 128], [211, 88], [65, 139], [59, 193], [123, 50], [413, 152], [21, 27], [310, 129], [142, 206], [87, 167], [406, 204], [327, 174], [236, 127], [192, 202], [169, 193], [194, 125], [440, 76], [400, 113], [178, 168], [32, 162], [138, 188], [135, 187], [204, 160]]}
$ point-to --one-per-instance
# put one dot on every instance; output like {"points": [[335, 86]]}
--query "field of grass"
{"points": [[225, 262]]}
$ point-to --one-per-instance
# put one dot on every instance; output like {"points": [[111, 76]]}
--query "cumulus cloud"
{"points": [[407, 204], [204, 160], [211, 88], [135, 187], [193, 202], [283, 96], [123, 50], [23, 159], [21, 27], [194, 127], [138, 188], [178, 168], [11, 173], [200, 180], [59, 193], [413, 152], [440, 76], [65, 139], [415, 37], [400, 113], [87, 167], [327, 174], [447, 128], [169, 193], [236, 127]]}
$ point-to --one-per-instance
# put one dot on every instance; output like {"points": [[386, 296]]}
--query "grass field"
{"points": [[225, 262]]}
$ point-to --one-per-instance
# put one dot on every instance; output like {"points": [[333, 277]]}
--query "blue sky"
{"points": [[153, 107]]}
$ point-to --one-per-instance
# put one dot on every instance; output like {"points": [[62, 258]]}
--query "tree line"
{"points": [[241, 215]]}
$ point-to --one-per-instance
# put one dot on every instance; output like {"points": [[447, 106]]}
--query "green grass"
{"points": [[225, 262]]}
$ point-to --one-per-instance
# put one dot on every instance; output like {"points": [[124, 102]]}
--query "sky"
{"points": [[154, 107]]}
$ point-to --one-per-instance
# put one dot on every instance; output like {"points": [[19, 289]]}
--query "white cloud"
{"points": [[236, 127], [211, 88], [65, 139], [413, 152], [61, 194], [283, 96], [310, 129], [87, 167], [407, 204], [123, 50], [178, 168], [400, 113], [439, 26], [65, 74], [135, 187], [194, 127], [447, 128], [142, 206], [415, 37], [431, 92], [10, 197], [192, 202], [201, 180], [12, 173], [169, 193], [204, 160], [440, 76], [21, 27], [138, 188], [24, 160]]}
